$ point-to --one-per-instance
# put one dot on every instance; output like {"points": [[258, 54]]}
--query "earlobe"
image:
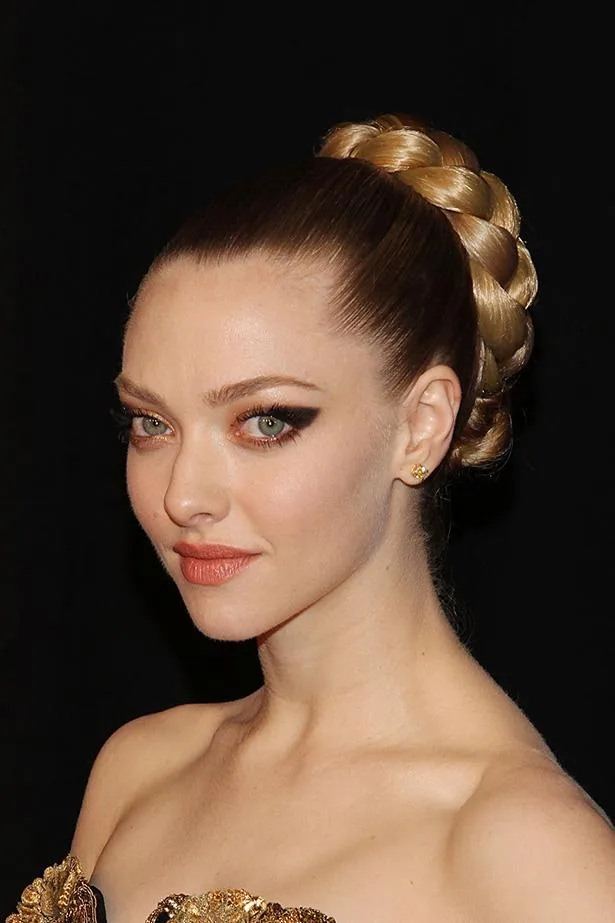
{"points": [[429, 413]]}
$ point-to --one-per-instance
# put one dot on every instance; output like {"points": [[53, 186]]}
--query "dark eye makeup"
{"points": [[294, 419], [123, 418]]}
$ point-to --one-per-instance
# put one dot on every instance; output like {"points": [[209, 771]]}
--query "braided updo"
{"points": [[425, 251], [445, 172]]}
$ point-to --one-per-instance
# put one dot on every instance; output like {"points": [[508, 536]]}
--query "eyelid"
{"points": [[293, 414], [296, 418], [125, 417], [134, 412]]}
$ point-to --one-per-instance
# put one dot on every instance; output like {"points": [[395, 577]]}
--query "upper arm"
{"points": [[112, 781], [534, 849], [134, 759]]}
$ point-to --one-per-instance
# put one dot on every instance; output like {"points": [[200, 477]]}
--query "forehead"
{"points": [[233, 296], [242, 318]]}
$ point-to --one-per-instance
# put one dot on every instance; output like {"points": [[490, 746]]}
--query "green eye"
{"points": [[152, 426], [271, 426]]}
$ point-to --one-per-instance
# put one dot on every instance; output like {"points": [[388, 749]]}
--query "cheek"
{"points": [[327, 496], [145, 491]]}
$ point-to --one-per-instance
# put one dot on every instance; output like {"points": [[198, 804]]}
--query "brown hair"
{"points": [[423, 246]]}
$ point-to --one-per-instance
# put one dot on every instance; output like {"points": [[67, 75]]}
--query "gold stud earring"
{"points": [[419, 471]]}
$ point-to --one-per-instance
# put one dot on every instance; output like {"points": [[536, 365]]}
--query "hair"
{"points": [[425, 254]]}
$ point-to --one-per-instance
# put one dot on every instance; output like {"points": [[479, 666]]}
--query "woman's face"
{"points": [[256, 427]]}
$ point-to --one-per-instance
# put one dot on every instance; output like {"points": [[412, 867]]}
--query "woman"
{"points": [[304, 365]]}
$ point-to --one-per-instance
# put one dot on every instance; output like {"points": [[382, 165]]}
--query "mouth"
{"points": [[212, 565]]}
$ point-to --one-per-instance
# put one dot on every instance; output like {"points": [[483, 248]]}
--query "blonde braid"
{"points": [[445, 172]]}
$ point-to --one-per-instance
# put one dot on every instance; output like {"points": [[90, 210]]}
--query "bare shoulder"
{"points": [[135, 759], [531, 845]]}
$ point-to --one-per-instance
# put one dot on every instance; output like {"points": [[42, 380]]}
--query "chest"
{"points": [[355, 851]]}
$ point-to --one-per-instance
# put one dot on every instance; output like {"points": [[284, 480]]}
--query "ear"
{"points": [[428, 414]]}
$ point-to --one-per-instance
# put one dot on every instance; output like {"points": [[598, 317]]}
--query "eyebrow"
{"points": [[218, 397]]}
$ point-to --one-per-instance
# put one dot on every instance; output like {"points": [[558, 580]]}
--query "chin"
{"points": [[237, 621], [224, 622], [223, 632]]}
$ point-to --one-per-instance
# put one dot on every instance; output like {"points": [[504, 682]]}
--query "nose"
{"points": [[198, 487]]}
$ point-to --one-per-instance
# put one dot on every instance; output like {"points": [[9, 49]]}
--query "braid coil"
{"points": [[484, 215]]}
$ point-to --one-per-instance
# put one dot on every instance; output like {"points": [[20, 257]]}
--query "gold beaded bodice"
{"points": [[63, 895]]}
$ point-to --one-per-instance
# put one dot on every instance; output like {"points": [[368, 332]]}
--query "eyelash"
{"points": [[299, 418], [124, 419]]}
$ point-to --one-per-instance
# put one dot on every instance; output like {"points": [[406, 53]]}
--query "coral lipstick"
{"points": [[212, 571], [211, 565]]}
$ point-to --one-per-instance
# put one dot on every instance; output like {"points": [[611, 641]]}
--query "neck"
{"points": [[364, 656]]}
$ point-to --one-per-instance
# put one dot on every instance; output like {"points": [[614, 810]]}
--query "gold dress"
{"points": [[63, 895]]}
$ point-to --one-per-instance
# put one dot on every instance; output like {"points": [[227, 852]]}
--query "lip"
{"points": [[211, 552], [212, 565]]}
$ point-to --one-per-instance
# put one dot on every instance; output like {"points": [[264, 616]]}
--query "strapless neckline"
{"points": [[64, 895]]}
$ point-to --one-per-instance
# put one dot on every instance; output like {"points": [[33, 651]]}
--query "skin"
{"points": [[379, 773]]}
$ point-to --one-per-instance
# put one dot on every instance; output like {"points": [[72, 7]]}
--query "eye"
{"points": [[151, 426], [266, 425], [136, 426], [274, 425]]}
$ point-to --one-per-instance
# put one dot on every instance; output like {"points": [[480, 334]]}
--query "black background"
{"points": [[117, 120]]}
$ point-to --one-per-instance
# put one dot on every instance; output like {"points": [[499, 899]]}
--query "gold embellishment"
{"points": [[230, 906], [82, 906], [50, 898], [62, 895]]}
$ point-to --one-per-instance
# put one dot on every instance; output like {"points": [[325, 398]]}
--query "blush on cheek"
{"points": [[336, 494]]}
